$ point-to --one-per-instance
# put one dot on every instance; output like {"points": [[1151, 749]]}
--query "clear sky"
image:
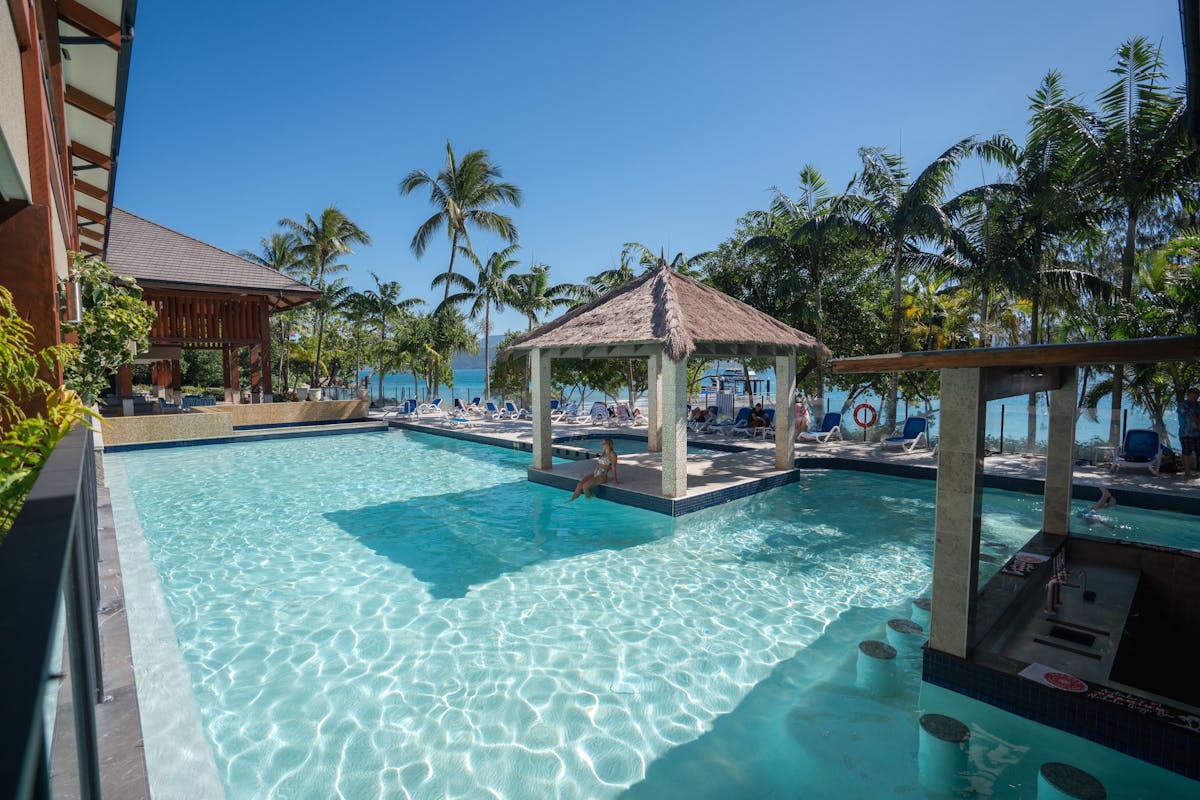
{"points": [[658, 122]]}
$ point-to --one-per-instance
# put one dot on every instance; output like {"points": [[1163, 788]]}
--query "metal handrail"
{"points": [[50, 555]]}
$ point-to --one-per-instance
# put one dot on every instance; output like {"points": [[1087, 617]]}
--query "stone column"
{"points": [[956, 519], [265, 335], [654, 404], [1060, 456], [539, 360], [674, 428], [785, 411], [125, 389]]}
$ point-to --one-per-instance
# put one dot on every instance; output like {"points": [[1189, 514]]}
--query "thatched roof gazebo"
{"points": [[666, 318]]}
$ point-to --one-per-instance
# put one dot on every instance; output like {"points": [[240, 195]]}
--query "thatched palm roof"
{"points": [[680, 315]]}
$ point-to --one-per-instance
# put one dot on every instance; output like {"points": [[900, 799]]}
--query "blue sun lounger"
{"points": [[831, 426], [912, 437]]}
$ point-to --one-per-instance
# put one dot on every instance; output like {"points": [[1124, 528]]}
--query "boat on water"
{"points": [[733, 379]]}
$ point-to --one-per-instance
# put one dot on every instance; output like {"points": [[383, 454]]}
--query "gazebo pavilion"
{"points": [[206, 298], [666, 318]]}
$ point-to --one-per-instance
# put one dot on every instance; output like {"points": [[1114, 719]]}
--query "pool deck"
{"points": [[750, 467]]}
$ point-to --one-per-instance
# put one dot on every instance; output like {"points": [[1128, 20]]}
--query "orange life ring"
{"points": [[867, 419]]}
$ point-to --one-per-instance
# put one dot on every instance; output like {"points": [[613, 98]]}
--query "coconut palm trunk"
{"points": [[1128, 261], [897, 331]]}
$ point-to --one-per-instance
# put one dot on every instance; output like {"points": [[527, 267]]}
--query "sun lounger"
{"points": [[768, 430], [912, 437], [831, 427], [1141, 449], [431, 409]]}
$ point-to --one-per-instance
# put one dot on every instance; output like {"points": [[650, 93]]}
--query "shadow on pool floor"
{"points": [[456, 540]]}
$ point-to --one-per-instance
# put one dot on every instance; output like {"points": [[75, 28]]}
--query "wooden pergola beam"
{"points": [[82, 151], [91, 191], [87, 213], [87, 233], [1129, 351], [90, 22], [92, 105]]}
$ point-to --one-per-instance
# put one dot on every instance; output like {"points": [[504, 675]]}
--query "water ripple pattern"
{"points": [[401, 615]]}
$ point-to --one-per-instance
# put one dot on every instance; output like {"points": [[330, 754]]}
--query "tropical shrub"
{"points": [[115, 327], [27, 440]]}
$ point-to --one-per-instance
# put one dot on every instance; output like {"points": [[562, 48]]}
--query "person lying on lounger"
{"points": [[606, 467]]}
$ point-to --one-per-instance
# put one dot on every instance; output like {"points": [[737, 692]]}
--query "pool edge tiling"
{"points": [[179, 758]]}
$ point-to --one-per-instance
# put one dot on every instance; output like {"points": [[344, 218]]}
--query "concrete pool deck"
{"points": [[749, 467]]}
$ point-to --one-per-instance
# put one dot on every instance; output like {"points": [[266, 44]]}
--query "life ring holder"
{"points": [[868, 419]]}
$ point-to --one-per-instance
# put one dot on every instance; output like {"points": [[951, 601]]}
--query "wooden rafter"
{"points": [[87, 213], [91, 191], [92, 105], [91, 156], [90, 248], [90, 22], [88, 233]]}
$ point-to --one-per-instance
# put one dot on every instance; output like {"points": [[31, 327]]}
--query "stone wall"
{"points": [[208, 422], [165, 428]]}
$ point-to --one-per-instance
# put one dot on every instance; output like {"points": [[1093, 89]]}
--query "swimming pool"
{"points": [[399, 614]]}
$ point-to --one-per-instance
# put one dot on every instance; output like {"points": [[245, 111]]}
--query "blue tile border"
{"points": [[267, 426], [124, 448], [1140, 728]]}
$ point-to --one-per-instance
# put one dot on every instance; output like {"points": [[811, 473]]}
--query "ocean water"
{"points": [[404, 615], [1007, 418]]}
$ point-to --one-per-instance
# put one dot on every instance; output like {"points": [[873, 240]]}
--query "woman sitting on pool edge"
{"points": [[606, 467]]}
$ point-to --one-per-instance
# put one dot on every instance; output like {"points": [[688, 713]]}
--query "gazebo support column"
{"points": [[959, 502], [785, 411], [225, 375], [539, 361], [255, 373], [125, 389], [265, 336], [1060, 456], [176, 381], [654, 404], [674, 427]]}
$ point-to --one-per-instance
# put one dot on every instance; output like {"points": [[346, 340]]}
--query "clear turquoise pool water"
{"points": [[403, 615], [628, 446]]}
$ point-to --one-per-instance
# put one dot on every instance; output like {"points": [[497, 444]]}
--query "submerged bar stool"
{"points": [[904, 634], [1058, 781], [877, 672], [942, 754], [922, 610]]}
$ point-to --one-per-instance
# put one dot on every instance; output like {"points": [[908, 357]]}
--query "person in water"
{"points": [[1093, 516], [606, 467]]}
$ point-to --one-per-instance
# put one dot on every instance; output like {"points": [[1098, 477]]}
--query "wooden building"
{"points": [[206, 298]]}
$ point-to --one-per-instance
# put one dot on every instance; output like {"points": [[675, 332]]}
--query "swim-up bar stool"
{"points": [[877, 672], [942, 754], [1058, 781]]}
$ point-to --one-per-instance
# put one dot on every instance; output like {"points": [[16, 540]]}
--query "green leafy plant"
{"points": [[27, 440], [115, 327]]}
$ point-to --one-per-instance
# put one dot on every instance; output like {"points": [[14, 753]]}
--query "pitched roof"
{"points": [[676, 312], [158, 256]]}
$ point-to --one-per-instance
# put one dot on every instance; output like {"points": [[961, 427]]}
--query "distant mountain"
{"points": [[464, 361]]}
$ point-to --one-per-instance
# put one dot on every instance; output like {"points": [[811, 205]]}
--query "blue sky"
{"points": [[658, 122]]}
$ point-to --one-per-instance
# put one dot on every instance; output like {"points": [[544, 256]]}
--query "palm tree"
{"points": [[533, 295], [903, 214], [382, 307], [808, 233], [492, 289], [463, 193], [1136, 151], [681, 263], [280, 252], [322, 241], [609, 279], [356, 308]]}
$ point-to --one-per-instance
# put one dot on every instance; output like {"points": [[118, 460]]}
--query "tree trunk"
{"points": [[487, 372], [1128, 257], [1034, 335], [316, 370], [450, 269], [819, 411], [897, 316], [382, 341]]}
